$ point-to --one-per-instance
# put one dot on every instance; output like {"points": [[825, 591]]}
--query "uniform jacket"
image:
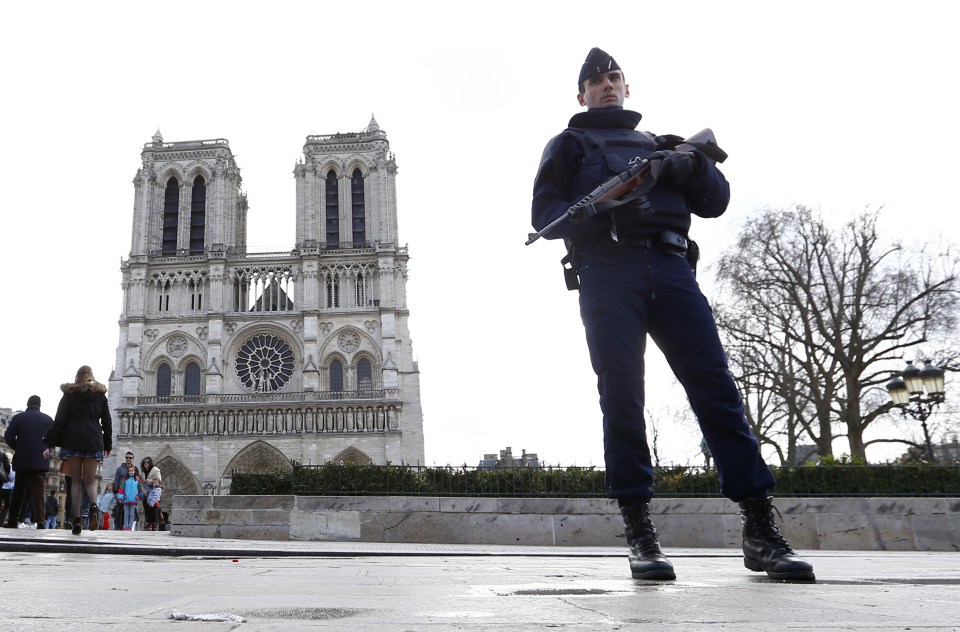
{"points": [[599, 144], [83, 418], [25, 435]]}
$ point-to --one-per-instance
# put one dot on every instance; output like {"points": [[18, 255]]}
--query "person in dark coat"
{"points": [[118, 477], [83, 429], [52, 507], [25, 435]]}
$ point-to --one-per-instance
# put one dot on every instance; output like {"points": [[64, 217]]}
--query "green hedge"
{"points": [[578, 482]]}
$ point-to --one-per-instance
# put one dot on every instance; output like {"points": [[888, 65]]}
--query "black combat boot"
{"points": [[765, 548], [647, 561]]}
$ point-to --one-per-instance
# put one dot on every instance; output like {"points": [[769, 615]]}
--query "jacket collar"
{"points": [[606, 118]]}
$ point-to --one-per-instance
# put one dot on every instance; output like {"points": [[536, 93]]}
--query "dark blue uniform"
{"points": [[631, 286]]}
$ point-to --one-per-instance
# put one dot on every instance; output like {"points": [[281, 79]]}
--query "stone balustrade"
{"points": [[886, 524], [345, 418]]}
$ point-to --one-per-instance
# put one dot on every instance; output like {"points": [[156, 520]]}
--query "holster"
{"points": [[693, 255], [570, 276]]}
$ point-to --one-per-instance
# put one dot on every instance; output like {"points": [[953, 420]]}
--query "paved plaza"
{"points": [[52, 580]]}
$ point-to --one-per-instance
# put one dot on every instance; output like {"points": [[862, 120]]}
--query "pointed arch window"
{"points": [[191, 380], [333, 210], [163, 296], [198, 215], [196, 294], [163, 380], [364, 375], [358, 207], [171, 217], [333, 290], [361, 290], [336, 376]]}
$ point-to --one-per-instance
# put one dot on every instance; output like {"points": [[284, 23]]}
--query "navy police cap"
{"points": [[597, 63]]}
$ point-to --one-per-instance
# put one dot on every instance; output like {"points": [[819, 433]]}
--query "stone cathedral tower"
{"points": [[230, 360]]}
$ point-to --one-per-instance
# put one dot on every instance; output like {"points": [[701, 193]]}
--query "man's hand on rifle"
{"points": [[674, 167]]}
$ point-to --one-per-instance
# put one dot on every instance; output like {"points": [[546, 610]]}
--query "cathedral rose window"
{"points": [[264, 364]]}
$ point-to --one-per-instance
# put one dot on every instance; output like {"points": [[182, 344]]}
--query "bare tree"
{"points": [[815, 319], [653, 436]]}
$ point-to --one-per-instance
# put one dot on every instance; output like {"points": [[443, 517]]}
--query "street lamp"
{"points": [[917, 392]]}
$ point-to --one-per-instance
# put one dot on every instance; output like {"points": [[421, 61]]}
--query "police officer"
{"points": [[635, 280]]}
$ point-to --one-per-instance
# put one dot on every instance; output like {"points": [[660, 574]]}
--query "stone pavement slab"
{"points": [[129, 584]]}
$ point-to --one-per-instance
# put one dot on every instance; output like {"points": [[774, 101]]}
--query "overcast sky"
{"points": [[837, 105]]}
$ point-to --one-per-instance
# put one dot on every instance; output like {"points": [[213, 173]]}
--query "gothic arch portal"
{"points": [[177, 479], [352, 456], [259, 456]]}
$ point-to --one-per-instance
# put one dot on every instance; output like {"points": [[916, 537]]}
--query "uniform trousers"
{"points": [[626, 293]]}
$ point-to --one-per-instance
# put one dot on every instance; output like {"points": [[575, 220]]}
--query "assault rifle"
{"points": [[631, 185]]}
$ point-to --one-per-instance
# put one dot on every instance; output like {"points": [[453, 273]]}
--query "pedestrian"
{"points": [[83, 430], [122, 468], [106, 503], [6, 489], [153, 486], [25, 435], [52, 510], [634, 280], [118, 477], [129, 496]]}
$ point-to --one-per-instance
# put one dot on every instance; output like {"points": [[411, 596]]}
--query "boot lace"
{"points": [[765, 527], [641, 533]]}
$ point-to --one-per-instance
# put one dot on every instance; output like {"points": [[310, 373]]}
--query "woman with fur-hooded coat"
{"points": [[83, 430]]}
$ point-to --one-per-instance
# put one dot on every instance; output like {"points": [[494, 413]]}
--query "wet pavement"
{"points": [[52, 580]]}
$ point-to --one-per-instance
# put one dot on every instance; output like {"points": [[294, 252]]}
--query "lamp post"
{"points": [[917, 392]]}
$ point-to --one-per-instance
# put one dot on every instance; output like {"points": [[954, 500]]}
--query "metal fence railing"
{"points": [[588, 482]]}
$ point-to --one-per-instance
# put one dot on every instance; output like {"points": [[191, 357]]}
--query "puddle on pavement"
{"points": [[553, 592], [303, 614]]}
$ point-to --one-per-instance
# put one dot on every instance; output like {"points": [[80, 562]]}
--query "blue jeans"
{"points": [[50, 523], [635, 291], [129, 514]]}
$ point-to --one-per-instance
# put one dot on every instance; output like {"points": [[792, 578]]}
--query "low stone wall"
{"points": [[885, 524]]}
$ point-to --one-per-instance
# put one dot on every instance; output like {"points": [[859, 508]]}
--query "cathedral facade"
{"points": [[237, 361]]}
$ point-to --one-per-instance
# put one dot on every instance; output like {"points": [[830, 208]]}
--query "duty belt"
{"points": [[667, 241]]}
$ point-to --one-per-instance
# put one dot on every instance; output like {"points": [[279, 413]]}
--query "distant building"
{"points": [[527, 459], [807, 454], [230, 360], [5, 416], [946, 453]]}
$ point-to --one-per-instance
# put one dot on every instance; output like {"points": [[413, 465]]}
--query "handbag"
{"points": [[93, 523]]}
